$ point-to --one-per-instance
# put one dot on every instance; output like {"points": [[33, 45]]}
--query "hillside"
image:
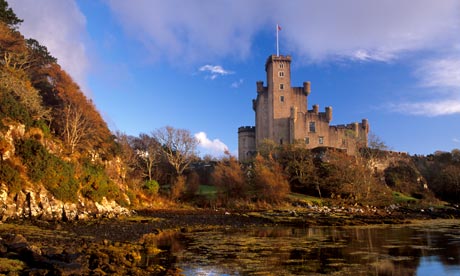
{"points": [[56, 151]]}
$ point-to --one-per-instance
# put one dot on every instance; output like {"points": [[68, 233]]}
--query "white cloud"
{"points": [[430, 109], [213, 147], [61, 27], [443, 77], [318, 30], [444, 72], [214, 71], [237, 84], [456, 140]]}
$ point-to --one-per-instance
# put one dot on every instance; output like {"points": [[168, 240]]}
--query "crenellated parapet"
{"points": [[246, 129], [282, 116]]}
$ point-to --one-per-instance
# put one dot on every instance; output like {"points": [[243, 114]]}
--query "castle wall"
{"points": [[282, 115]]}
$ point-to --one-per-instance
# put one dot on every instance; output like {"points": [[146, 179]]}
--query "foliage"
{"points": [[299, 166], [55, 174], [8, 16], [9, 174], [11, 107], [192, 184], [442, 172], [95, 183], [152, 187], [178, 188], [268, 180], [230, 180], [404, 178]]}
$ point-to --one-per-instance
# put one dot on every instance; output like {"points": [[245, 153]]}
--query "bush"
{"points": [[230, 180], [192, 184], [9, 174], [178, 188], [96, 184], [54, 173], [12, 108], [268, 180], [152, 187]]}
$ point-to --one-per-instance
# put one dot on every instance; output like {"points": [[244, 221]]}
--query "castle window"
{"points": [[307, 140], [282, 99], [312, 127], [281, 141], [281, 86], [281, 65], [321, 140], [281, 73]]}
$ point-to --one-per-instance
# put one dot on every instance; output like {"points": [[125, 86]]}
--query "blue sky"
{"points": [[193, 64]]}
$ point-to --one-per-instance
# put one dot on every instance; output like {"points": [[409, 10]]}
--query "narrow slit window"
{"points": [[321, 140], [312, 127]]}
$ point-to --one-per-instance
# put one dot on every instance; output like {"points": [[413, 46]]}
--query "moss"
{"points": [[402, 198], [11, 266]]}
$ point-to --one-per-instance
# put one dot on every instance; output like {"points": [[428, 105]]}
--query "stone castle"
{"points": [[282, 116]]}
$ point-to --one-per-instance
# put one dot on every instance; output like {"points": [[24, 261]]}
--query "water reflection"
{"points": [[425, 249]]}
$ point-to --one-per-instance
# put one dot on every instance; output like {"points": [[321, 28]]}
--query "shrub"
{"points": [[152, 187], [192, 184], [230, 180], [54, 173], [9, 174], [269, 182], [13, 108], [96, 184], [178, 188]]}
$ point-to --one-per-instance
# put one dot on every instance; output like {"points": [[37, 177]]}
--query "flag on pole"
{"points": [[278, 28]]}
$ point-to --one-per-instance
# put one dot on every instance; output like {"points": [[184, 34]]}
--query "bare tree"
{"points": [[178, 145], [76, 127], [148, 151]]}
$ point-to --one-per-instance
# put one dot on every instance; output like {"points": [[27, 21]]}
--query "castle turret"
{"points": [[329, 114], [246, 143]]}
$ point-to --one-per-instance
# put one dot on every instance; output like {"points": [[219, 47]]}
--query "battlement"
{"points": [[273, 58], [246, 129], [260, 87], [282, 115]]}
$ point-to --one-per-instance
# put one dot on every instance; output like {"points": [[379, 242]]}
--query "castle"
{"points": [[282, 116]]}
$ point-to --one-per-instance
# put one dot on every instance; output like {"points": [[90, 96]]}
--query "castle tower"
{"points": [[275, 101], [282, 116]]}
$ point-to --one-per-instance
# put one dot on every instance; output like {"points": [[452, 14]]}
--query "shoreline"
{"points": [[127, 245]]}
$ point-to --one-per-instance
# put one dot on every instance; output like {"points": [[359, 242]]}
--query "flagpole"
{"points": [[277, 41]]}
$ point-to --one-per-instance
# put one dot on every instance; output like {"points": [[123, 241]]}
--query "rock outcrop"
{"points": [[41, 204]]}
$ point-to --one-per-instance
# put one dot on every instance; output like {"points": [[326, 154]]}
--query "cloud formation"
{"points": [[429, 108], [214, 71], [316, 31], [61, 27], [362, 29], [214, 147]]}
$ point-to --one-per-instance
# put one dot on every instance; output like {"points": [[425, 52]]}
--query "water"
{"points": [[429, 248]]}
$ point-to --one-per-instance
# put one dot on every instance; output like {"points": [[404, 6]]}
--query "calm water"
{"points": [[429, 248]]}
